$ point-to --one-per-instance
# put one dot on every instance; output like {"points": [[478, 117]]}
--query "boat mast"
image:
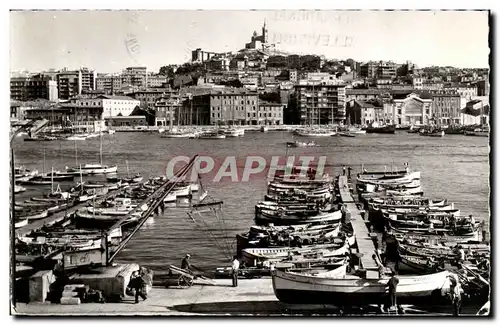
{"points": [[100, 150], [81, 176], [76, 154], [128, 173], [44, 157], [52, 181], [191, 111]]}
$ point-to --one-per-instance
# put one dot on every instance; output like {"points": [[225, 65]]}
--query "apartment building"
{"points": [[321, 102]]}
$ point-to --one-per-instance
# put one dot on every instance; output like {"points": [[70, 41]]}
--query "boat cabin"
{"points": [[123, 202]]}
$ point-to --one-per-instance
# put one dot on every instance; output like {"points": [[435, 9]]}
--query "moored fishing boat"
{"points": [[375, 127], [21, 223], [280, 253], [234, 132], [299, 144], [279, 218], [89, 169], [479, 132], [432, 132], [315, 132], [19, 189], [342, 289], [216, 135]]}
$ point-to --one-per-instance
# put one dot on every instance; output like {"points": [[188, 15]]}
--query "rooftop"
{"points": [[116, 97]]}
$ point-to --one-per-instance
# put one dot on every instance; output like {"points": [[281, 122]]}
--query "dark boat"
{"points": [[388, 129]]}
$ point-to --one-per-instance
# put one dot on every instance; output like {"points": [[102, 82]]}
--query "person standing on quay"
{"points": [[139, 285], [455, 294], [393, 285], [235, 269]]}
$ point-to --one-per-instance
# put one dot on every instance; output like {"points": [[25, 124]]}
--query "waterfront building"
{"points": [[321, 102], [33, 87], [476, 112], [167, 109], [234, 107], [130, 121], [365, 112], [411, 110], [446, 107], [110, 84], [18, 108], [70, 115], [270, 113], [109, 104]]}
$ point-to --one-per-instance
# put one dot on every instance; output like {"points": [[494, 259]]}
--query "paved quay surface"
{"points": [[253, 297]]}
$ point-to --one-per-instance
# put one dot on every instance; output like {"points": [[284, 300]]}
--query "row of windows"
{"points": [[253, 115], [229, 97]]}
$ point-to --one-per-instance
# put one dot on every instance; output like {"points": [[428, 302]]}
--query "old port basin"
{"points": [[313, 242]]}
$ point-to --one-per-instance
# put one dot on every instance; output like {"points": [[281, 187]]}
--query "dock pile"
{"points": [[422, 235]]}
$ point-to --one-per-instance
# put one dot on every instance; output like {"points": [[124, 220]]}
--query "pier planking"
{"points": [[363, 239]]}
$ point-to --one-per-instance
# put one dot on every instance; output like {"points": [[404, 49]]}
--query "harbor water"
{"points": [[455, 167]]}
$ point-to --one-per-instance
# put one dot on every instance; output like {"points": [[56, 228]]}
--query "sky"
{"points": [[109, 41]]}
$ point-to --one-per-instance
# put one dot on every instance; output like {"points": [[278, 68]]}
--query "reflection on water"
{"points": [[455, 167]]}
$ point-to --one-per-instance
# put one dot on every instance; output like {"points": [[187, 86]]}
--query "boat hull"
{"points": [[354, 291]]}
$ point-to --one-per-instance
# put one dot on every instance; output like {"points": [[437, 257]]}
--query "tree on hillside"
{"points": [[167, 70]]}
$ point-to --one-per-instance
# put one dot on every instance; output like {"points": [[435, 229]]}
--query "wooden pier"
{"points": [[366, 248], [61, 215]]}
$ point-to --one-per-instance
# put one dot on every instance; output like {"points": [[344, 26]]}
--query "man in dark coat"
{"points": [[139, 285], [185, 264]]}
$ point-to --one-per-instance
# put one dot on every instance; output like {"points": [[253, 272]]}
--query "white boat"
{"points": [[19, 189], [479, 132], [195, 187], [182, 191], [355, 130], [389, 180], [436, 134], [21, 223], [177, 134], [299, 144], [212, 136], [110, 131], [171, 197], [278, 218], [234, 132], [280, 253], [315, 133], [89, 169], [77, 137], [264, 129], [341, 289]]}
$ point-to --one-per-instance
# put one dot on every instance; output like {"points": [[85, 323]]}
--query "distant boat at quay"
{"points": [[315, 132], [432, 133], [212, 135], [377, 128], [479, 132]]}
